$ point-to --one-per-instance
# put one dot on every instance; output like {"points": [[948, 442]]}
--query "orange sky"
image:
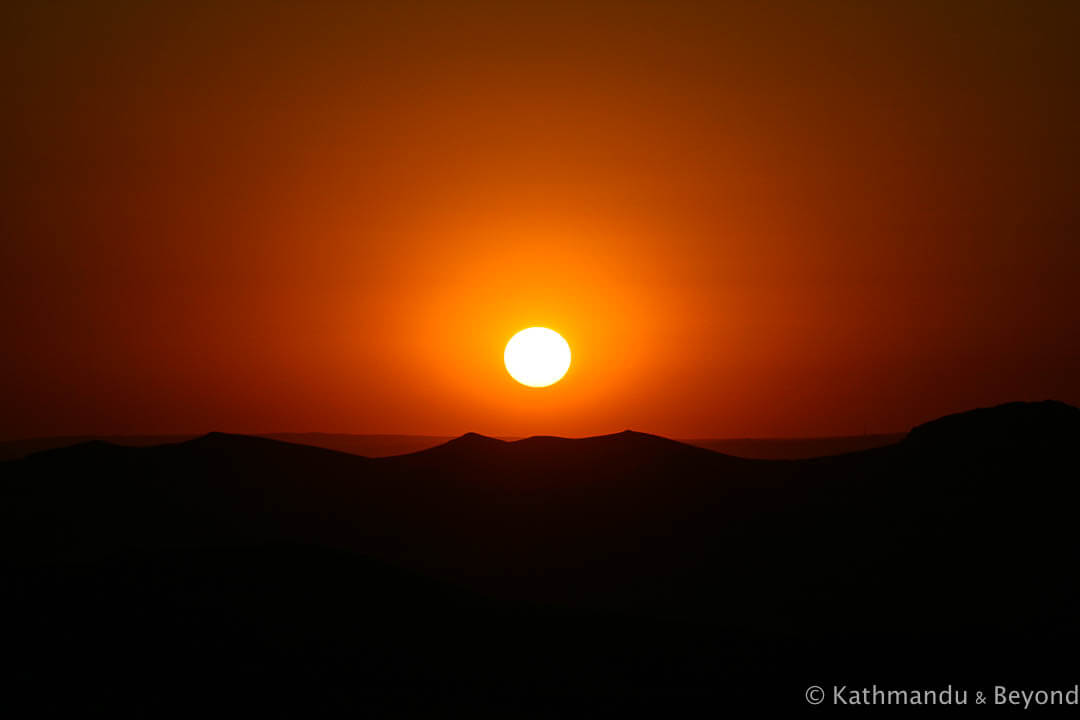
{"points": [[834, 218]]}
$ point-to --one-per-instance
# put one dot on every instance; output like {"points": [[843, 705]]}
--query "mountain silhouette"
{"points": [[548, 575], [384, 445]]}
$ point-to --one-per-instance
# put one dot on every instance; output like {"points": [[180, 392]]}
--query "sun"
{"points": [[537, 357]]}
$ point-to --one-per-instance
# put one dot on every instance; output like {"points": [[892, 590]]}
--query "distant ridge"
{"points": [[628, 443], [796, 448], [472, 439], [1024, 417]]}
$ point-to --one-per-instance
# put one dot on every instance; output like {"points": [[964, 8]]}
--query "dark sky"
{"points": [[818, 218]]}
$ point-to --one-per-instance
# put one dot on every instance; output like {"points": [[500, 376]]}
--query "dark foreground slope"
{"points": [[605, 576]]}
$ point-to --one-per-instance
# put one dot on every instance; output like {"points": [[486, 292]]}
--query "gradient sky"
{"points": [[830, 218]]}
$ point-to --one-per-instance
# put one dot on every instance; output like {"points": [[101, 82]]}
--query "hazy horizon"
{"points": [[386, 445], [448, 436]]}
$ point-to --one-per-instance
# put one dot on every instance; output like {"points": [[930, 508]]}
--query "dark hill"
{"points": [[1012, 428], [557, 575]]}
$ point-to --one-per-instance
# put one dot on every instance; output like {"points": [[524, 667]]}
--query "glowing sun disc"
{"points": [[537, 357]]}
